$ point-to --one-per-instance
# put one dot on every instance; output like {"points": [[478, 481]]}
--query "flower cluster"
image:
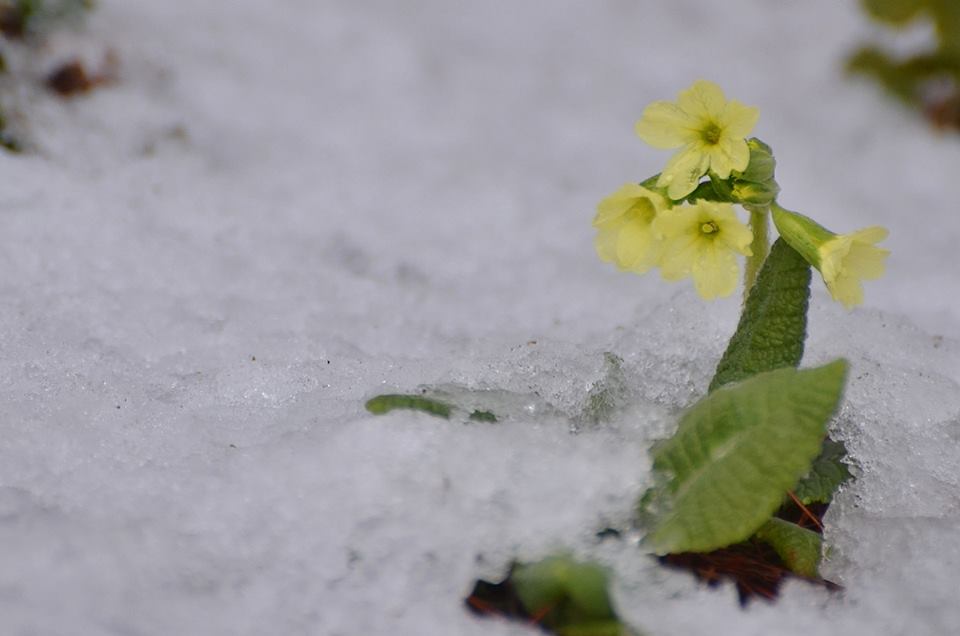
{"points": [[683, 221]]}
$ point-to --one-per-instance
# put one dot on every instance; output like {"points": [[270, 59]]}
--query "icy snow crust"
{"points": [[285, 208]]}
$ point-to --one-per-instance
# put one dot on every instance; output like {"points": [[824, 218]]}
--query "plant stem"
{"points": [[759, 248]]}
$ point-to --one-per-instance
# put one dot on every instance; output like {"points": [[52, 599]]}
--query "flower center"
{"points": [[709, 228], [643, 211], [711, 134]]}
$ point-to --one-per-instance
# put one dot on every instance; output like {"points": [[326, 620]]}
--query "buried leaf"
{"points": [[735, 453], [564, 587], [797, 547], [386, 403], [562, 595], [826, 475]]}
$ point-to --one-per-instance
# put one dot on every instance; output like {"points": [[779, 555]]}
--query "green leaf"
{"points": [[386, 403], [568, 597], [735, 453], [560, 583], [797, 547], [774, 321], [483, 416], [825, 476]]}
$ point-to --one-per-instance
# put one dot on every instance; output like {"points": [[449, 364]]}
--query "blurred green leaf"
{"points": [[894, 11], [797, 547], [568, 597]]}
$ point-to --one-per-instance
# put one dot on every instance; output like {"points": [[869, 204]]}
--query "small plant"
{"points": [[749, 457], [760, 434]]}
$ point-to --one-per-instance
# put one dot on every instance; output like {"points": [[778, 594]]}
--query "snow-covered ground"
{"points": [[283, 208]]}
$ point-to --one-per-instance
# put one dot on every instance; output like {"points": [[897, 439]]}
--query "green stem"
{"points": [[759, 248]]}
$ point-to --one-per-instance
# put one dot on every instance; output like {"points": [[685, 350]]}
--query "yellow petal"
{"points": [[611, 208], [847, 290], [733, 234], [679, 254], [664, 125], [715, 272], [703, 100], [866, 262], [873, 234], [635, 249], [729, 154], [673, 222], [683, 171], [606, 244], [738, 120]]}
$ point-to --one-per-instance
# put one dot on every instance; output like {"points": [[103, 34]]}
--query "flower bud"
{"points": [[756, 185]]}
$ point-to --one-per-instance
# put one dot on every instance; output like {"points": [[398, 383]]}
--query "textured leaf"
{"points": [[774, 321], [825, 476], [734, 454], [797, 547]]}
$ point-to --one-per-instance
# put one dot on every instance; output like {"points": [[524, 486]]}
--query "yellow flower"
{"points": [[703, 240], [844, 260], [849, 258], [625, 235], [710, 132]]}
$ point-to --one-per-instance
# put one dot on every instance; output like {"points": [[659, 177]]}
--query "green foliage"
{"points": [[774, 321], [568, 597], [735, 453], [893, 11], [797, 547], [389, 402], [826, 475], [483, 416], [918, 80]]}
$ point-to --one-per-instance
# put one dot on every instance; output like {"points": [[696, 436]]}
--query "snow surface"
{"points": [[282, 209]]}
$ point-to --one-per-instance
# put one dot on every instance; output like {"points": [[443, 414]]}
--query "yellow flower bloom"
{"points": [[847, 259], [703, 240], [710, 132], [624, 221], [844, 260]]}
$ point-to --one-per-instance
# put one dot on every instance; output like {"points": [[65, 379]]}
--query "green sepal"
{"points": [[705, 191], [826, 474], [735, 453], [774, 321], [798, 548]]}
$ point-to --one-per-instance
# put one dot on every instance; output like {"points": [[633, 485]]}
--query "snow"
{"points": [[282, 209]]}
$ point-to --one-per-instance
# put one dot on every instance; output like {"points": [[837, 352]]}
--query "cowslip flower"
{"points": [[624, 223], [709, 130], [702, 240], [844, 260]]}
